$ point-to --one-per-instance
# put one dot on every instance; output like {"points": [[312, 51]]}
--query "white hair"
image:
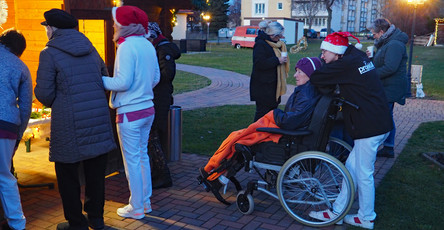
{"points": [[274, 29]]}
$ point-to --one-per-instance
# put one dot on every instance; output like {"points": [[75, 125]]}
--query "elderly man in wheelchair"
{"points": [[292, 153]]}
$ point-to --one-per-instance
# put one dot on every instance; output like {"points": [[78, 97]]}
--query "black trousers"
{"points": [[69, 188], [264, 108], [160, 125]]}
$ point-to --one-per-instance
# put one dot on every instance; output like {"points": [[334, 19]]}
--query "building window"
{"points": [[259, 8], [280, 6]]}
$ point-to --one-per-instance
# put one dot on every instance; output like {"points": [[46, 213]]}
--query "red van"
{"points": [[244, 36]]}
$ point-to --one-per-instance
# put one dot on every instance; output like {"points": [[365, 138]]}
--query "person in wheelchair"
{"points": [[368, 125], [296, 115]]}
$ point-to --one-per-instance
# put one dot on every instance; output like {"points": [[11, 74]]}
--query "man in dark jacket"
{"points": [[390, 63], [69, 81], [368, 125], [167, 53]]}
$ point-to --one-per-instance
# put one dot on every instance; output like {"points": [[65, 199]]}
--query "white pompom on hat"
{"points": [[337, 42]]}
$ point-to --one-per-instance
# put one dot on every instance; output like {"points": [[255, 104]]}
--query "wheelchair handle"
{"points": [[341, 101]]}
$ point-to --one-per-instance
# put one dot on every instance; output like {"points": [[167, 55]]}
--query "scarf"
{"points": [[379, 42], [282, 70], [128, 31]]}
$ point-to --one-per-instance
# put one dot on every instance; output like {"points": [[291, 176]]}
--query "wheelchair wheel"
{"points": [[311, 181], [338, 148], [245, 203]]}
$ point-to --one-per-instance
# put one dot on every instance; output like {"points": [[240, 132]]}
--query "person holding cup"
{"points": [[390, 61], [270, 68]]}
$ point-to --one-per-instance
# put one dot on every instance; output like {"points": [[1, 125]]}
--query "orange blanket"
{"points": [[248, 136]]}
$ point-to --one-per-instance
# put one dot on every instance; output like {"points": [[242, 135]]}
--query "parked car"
{"points": [[311, 33], [244, 36], [323, 32]]}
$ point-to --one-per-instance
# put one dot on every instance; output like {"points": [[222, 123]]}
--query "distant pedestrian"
{"points": [[390, 61], [69, 81], [167, 52], [15, 109], [270, 68], [136, 73]]}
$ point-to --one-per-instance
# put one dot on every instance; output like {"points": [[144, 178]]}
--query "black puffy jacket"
{"points": [[167, 53], [299, 107], [69, 80]]}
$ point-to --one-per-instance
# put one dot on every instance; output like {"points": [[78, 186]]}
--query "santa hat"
{"points": [[337, 42], [126, 15]]}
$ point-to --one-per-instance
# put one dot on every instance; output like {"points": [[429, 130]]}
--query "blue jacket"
{"points": [[299, 107], [15, 93]]}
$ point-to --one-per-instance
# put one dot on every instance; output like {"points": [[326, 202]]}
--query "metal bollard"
{"points": [[174, 133]]}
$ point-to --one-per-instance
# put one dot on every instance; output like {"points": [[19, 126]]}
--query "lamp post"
{"points": [[206, 17], [409, 72]]}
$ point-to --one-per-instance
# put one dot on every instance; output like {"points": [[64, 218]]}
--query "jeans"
{"points": [[390, 141], [133, 137], [9, 193]]}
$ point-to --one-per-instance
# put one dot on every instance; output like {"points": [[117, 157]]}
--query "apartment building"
{"points": [[347, 15]]}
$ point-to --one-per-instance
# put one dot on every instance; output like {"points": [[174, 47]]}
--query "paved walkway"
{"points": [[186, 205]]}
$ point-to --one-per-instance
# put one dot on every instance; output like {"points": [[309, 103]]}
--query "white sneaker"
{"points": [[147, 208], [356, 221], [128, 212], [325, 215]]}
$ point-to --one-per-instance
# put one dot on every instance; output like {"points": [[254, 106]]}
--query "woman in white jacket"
{"points": [[136, 72]]}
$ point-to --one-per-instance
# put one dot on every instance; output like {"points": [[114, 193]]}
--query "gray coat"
{"points": [[69, 80], [390, 62]]}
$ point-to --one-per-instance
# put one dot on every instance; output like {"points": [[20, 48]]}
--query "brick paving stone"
{"points": [[187, 205]]}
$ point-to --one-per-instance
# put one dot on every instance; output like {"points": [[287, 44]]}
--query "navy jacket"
{"points": [[69, 80], [299, 107], [359, 83]]}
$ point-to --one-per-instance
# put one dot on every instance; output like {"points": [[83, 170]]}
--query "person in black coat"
{"points": [[368, 125], [167, 53], [267, 81]]}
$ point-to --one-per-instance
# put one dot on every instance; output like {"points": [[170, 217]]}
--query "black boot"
{"points": [[386, 152]]}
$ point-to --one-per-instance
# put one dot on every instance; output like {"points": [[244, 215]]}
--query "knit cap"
{"points": [[308, 65], [337, 42], [126, 15]]}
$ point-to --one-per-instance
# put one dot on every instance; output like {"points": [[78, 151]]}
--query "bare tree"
{"points": [[234, 16], [328, 6], [309, 8]]}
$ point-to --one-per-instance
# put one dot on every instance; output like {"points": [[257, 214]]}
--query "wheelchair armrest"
{"points": [[302, 132]]}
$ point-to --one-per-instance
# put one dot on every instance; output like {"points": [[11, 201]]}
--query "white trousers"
{"points": [[361, 165], [133, 137], [9, 193]]}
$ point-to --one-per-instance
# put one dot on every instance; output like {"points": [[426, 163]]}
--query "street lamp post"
{"points": [[412, 39], [206, 17]]}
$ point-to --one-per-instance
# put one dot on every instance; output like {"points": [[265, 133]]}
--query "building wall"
{"points": [[265, 8], [26, 16]]}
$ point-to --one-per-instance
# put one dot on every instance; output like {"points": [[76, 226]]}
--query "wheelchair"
{"points": [[305, 171]]}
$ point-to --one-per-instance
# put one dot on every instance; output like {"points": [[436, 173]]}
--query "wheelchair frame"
{"points": [[308, 181]]}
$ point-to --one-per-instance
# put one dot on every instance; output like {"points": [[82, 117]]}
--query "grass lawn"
{"points": [[223, 56], [411, 194], [184, 82]]}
